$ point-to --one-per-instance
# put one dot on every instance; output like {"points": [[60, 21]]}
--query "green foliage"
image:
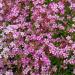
{"points": [[22, 5], [57, 44], [55, 0], [29, 55], [30, 5], [70, 54], [28, 18], [69, 23], [21, 47], [60, 71], [73, 36], [67, 71], [48, 1], [55, 61], [17, 57], [7, 23], [0, 31], [55, 35], [14, 68], [63, 33], [67, 9], [60, 33], [59, 22], [73, 13]]}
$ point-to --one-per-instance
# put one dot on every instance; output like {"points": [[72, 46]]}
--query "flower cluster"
{"points": [[37, 37]]}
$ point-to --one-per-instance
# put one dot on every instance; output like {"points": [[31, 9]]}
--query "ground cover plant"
{"points": [[37, 37]]}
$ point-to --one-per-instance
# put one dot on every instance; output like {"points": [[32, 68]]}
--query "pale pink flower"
{"points": [[74, 71], [1, 5], [9, 73], [68, 37], [54, 7], [73, 45]]}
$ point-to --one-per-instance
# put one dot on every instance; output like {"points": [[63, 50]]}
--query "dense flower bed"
{"points": [[37, 37]]}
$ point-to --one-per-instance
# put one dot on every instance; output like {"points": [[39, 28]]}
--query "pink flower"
{"points": [[73, 45], [54, 7], [35, 2], [9, 73], [68, 37], [72, 5], [1, 5], [60, 5]]}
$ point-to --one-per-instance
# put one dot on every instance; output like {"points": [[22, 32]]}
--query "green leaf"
{"points": [[59, 71], [55, 35], [70, 54], [14, 68], [69, 23], [60, 33], [22, 5], [56, 44], [29, 55], [28, 18], [0, 31], [55, 61], [73, 36], [47, 1], [69, 70], [68, 10], [17, 57], [21, 47], [59, 22], [7, 23], [30, 5], [55, 0]]}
